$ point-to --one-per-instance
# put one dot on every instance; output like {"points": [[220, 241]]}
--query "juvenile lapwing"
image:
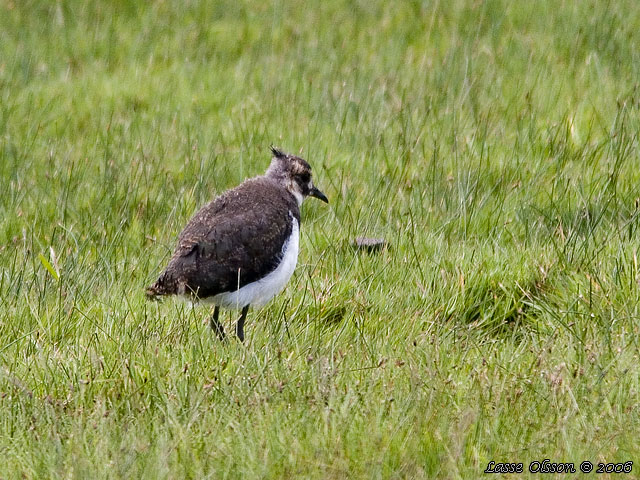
{"points": [[240, 250]]}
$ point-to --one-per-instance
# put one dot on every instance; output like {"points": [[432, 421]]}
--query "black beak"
{"points": [[314, 192]]}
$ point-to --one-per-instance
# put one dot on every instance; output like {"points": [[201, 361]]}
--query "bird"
{"points": [[241, 249]]}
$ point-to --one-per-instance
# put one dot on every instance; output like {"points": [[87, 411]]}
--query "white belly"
{"points": [[260, 292]]}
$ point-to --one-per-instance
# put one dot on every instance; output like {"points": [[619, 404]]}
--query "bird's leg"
{"points": [[215, 324], [240, 324]]}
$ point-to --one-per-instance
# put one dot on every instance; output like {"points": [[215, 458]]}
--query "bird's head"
{"points": [[295, 174]]}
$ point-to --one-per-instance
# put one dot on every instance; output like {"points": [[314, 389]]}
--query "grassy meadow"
{"points": [[494, 144]]}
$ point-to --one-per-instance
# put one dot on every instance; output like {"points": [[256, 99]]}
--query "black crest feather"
{"points": [[277, 153]]}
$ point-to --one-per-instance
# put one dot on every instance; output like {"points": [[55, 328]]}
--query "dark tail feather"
{"points": [[165, 285], [152, 292], [157, 290]]}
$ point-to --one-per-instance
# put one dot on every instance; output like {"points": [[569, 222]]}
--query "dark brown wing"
{"points": [[232, 241]]}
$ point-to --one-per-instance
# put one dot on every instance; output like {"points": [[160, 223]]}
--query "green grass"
{"points": [[493, 144]]}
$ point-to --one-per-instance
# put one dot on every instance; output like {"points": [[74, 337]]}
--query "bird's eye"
{"points": [[305, 177]]}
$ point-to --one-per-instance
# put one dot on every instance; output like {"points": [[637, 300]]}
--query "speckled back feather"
{"points": [[234, 240]]}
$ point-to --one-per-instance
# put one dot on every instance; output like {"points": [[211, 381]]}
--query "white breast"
{"points": [[260, 292]]}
